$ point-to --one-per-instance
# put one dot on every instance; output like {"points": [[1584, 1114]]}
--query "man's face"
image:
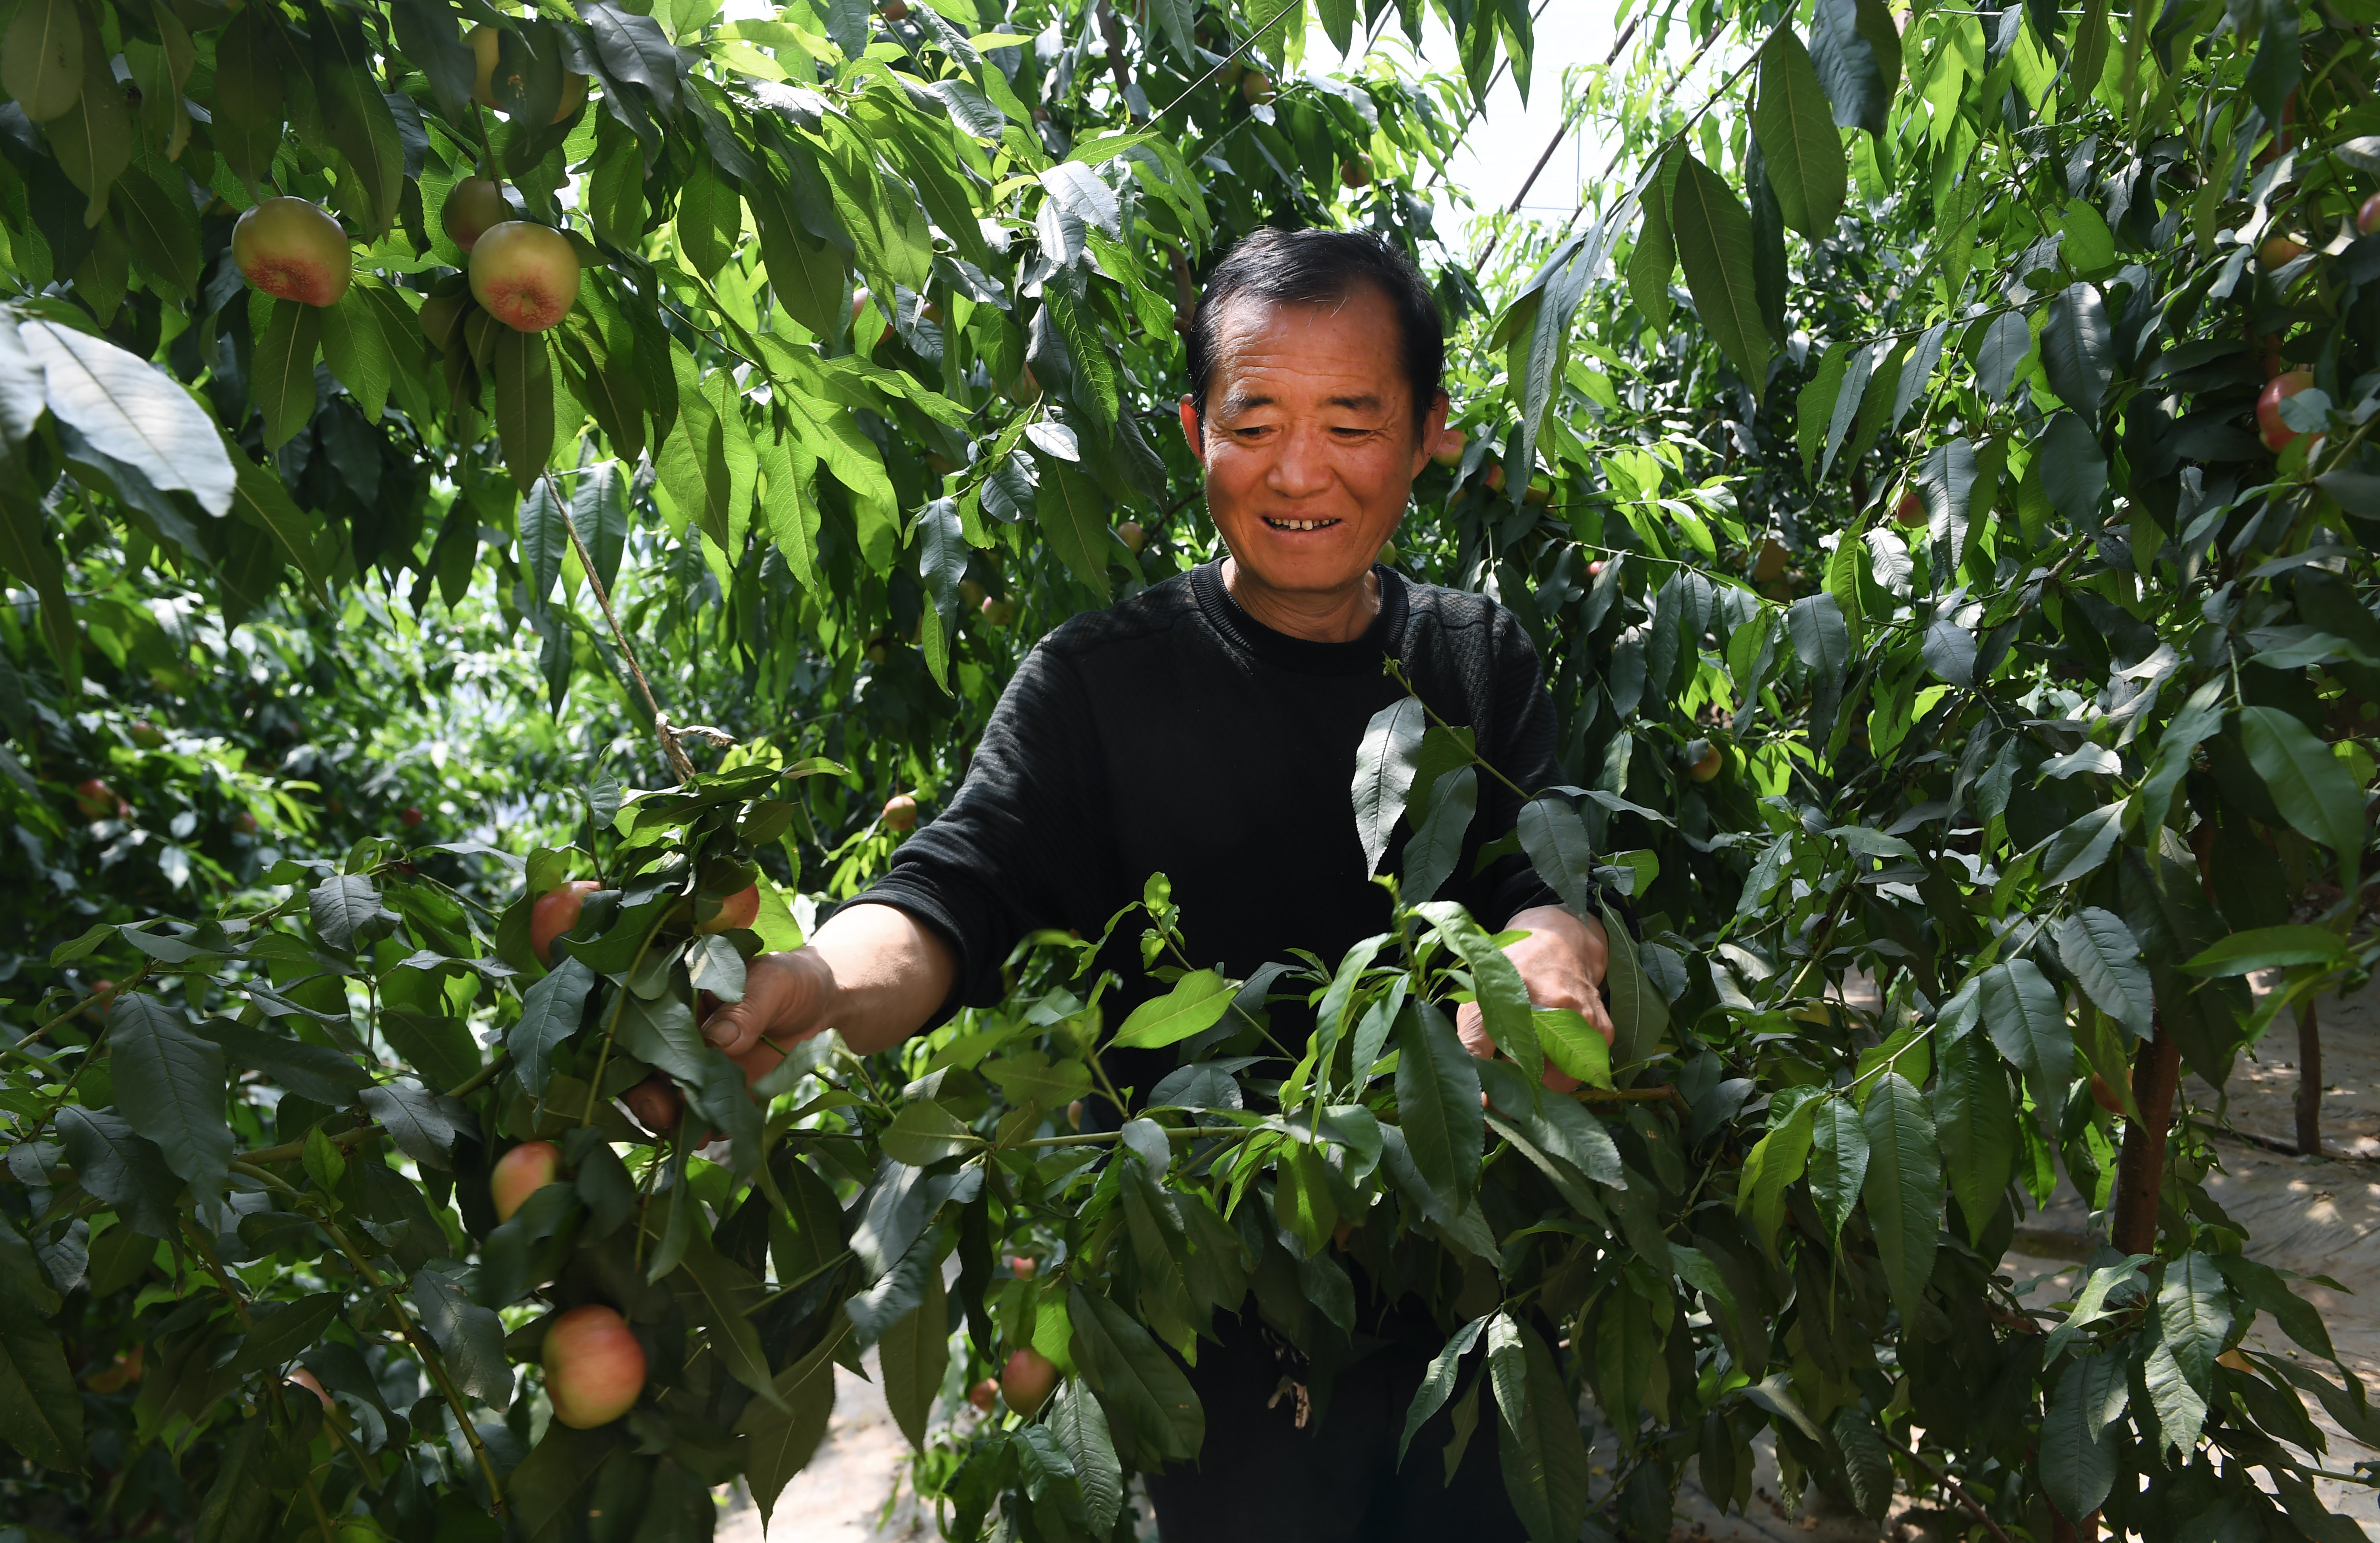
{"points": [[1309, 443]]}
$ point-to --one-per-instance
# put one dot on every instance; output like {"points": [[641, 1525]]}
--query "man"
{"points": [[1206, 729]]}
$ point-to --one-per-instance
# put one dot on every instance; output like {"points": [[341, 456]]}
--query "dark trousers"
{"points": [[1260, 1476]]}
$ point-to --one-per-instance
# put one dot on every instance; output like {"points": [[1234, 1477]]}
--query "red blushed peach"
{"points": [[520, 1172], [525, 274], [740, 909], [556, 912], [475, 207], [901, 812], [307, 1380], [594, 1368], [292, 251], [1026, 1381]]}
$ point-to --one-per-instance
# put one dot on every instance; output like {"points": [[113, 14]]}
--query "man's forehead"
{"points": [[1340, 353]]}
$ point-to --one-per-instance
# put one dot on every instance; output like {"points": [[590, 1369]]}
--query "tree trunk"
{"points": [[2140, 1176], [2309, 1081]]}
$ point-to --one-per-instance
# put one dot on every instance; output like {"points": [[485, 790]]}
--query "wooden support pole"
{"points": [[2140, 1174], [2309, 1080]]}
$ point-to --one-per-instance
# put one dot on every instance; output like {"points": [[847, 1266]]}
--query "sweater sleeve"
{"points": [[1017, 839]]}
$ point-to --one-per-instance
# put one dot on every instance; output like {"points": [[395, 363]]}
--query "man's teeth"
{"points": [[1299, 524]]}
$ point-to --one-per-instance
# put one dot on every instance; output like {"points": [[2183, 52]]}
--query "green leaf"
{"points": [[1556, 290], [2193, 1318], [1974, 1114], [1867, 1461], [778, 1441], [1714, 235], [283, 374], [1640, 1013], [120, 1167], [1074, 519], [41, 60], [134, 412], [550, 1014], [356, 347], [2078, 347], [410, 1114], [1562, 851], [27, 550], [2313, 788], [1195, 1005], [913, 1354], [1855, 64], [1081, 1428], [1656, 254], [249, 93], [1502, 996], [360, 125], [1437, 1107], [261, 500], [2269, 948], [1797, 135], [170, 1085], [1814, 409], [1385, 760], [1574, 1045], [2104, 958], [1839, 1161], [1775, 1161], [923, 1134], [1147, 1398], [347, 911], [41, 1413], [722, 1294], [470, 1338], [2078, 1465], [2080, 848], [2027, 1021], [1903, 1188], [541, 1492], [240, 1502], [524, 403], [1437, 1382], [284, 1330], [93, 140], [1430, 858], [663, 1033], [1545, 1460]]}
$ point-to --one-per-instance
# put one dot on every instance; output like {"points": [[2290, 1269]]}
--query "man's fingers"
{"points": [[1471, 1027], [734, 1030], [1600, 1017]]}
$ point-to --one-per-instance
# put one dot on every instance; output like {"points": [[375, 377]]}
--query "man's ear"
{"points": [[1190, 428], [1433, 424]]}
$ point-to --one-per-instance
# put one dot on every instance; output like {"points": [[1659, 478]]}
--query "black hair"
{"points": [[1317, 267]]}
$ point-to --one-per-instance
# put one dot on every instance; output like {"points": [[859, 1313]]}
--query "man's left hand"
{"points": [[1562, 962]]}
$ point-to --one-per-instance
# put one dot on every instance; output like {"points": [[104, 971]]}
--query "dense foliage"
{"points": [[1938, 594]]}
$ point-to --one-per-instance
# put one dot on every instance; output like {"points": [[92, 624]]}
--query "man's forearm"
{"points": [[886, 973]]}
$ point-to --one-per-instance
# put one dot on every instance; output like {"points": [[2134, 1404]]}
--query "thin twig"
{"points": [[1960, 1491], [1568, 123], [672, 751]]}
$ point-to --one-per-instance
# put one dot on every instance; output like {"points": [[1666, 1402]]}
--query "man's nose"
{"points": [[1303, 468]]}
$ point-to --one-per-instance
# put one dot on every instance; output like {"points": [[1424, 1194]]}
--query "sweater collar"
{"points": [[1300, 654]]}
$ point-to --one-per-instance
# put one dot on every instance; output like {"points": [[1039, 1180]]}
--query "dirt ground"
{"points": [[2316, 1216]]}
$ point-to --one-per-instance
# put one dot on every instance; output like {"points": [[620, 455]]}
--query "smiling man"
{"points": [[1206, 729]]}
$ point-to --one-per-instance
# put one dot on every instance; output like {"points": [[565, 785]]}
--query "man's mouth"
{"points": [[1299, 524]]}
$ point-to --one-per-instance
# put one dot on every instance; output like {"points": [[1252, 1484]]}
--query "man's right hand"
{"points": [[785, 1001], [872, 971]]}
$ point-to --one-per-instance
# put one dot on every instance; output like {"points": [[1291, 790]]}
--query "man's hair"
{"points": [[1318, 267]]}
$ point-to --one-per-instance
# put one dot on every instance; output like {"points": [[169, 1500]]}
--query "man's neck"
{"points": [[1332, 616]]}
